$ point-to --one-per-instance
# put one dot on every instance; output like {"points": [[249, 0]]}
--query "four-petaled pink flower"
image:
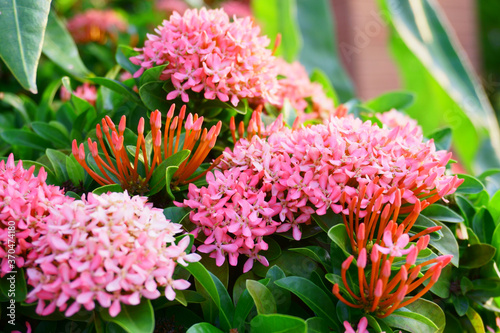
{"points": [[394, 249]]}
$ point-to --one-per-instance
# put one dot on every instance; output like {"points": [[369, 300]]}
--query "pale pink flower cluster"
{"points": [[394, 118], [297, 88], [108, 249], [85, 91], [205, 51], [96, 26], [25, 200], [239, 8], [170, 6], [275, 184]]}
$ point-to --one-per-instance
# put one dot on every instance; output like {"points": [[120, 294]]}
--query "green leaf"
{"points": [[216, 291], [313, 296], [317, 325], [442, 286], [13, 285], [319, 50], [461, 304], [483, 225], [122, 57], [471, 185], [107, 188], [264, 300], [133, 319], [442, 213], [399, 100], [431, 63], [328, 220], [281, 296], [475, 319], [477, 255], [495, 242], [466, 208], [320, 77], [161, 174], [51, 133], [338, 234], [24, 138], [17, 103], [152, 75], [442, 138], [23, 25], [318, 254], [279, 17], [59, 47], [58, 161], [277, 323], [203, 328], [494, 207], [153, 96], [118, 87], [75, 171], [176, 214], [421, 316]]}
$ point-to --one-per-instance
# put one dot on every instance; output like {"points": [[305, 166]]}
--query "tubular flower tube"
{"points": [[205, 52], [96, 26], [124, 168], [381, 291], [25, 200], [106, 250]]}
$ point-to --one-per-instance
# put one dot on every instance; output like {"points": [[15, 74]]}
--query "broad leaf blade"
{"points": [[22, 26]]}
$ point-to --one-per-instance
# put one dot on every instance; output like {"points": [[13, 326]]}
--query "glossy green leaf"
{"points": [[277, 323], [117, 87], [281, 296], [461, 304], [442, 213], [58, 160], [318, 254], [279, 17], [159, 177], [399, 100], [320, 50], [51, 133], [421, 316], [59, 47], [203, 328], [466, 208], [312, 295], [153, 96], [471, 185], [152, 75], [216, 291], [176, 214], [107, 188], [133, 319], [328, 220], [495, 242], [25, 138], [483, 225], [262, 297], [442, 138], [18, 104], [338, 234], [122, 57], [494, 207], [22, 24], [75, 171], [477, 255]]}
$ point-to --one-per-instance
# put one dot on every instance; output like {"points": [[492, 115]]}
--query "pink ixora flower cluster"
{"points": [[96, 26], [86, 92], [109, 249], [25, 200], [274, 184], [205, 51], [297, 88]]}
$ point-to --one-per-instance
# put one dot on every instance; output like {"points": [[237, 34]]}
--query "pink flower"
{"points": [[394, 249], [86, 92], [205, 51], [237, 8], [362, 325], [274, 180], [297, 88], [96, 26], [170, 6], [108, 249], [25, 200]]}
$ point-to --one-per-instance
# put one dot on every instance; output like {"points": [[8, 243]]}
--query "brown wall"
{"points": [[363, 37]]}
